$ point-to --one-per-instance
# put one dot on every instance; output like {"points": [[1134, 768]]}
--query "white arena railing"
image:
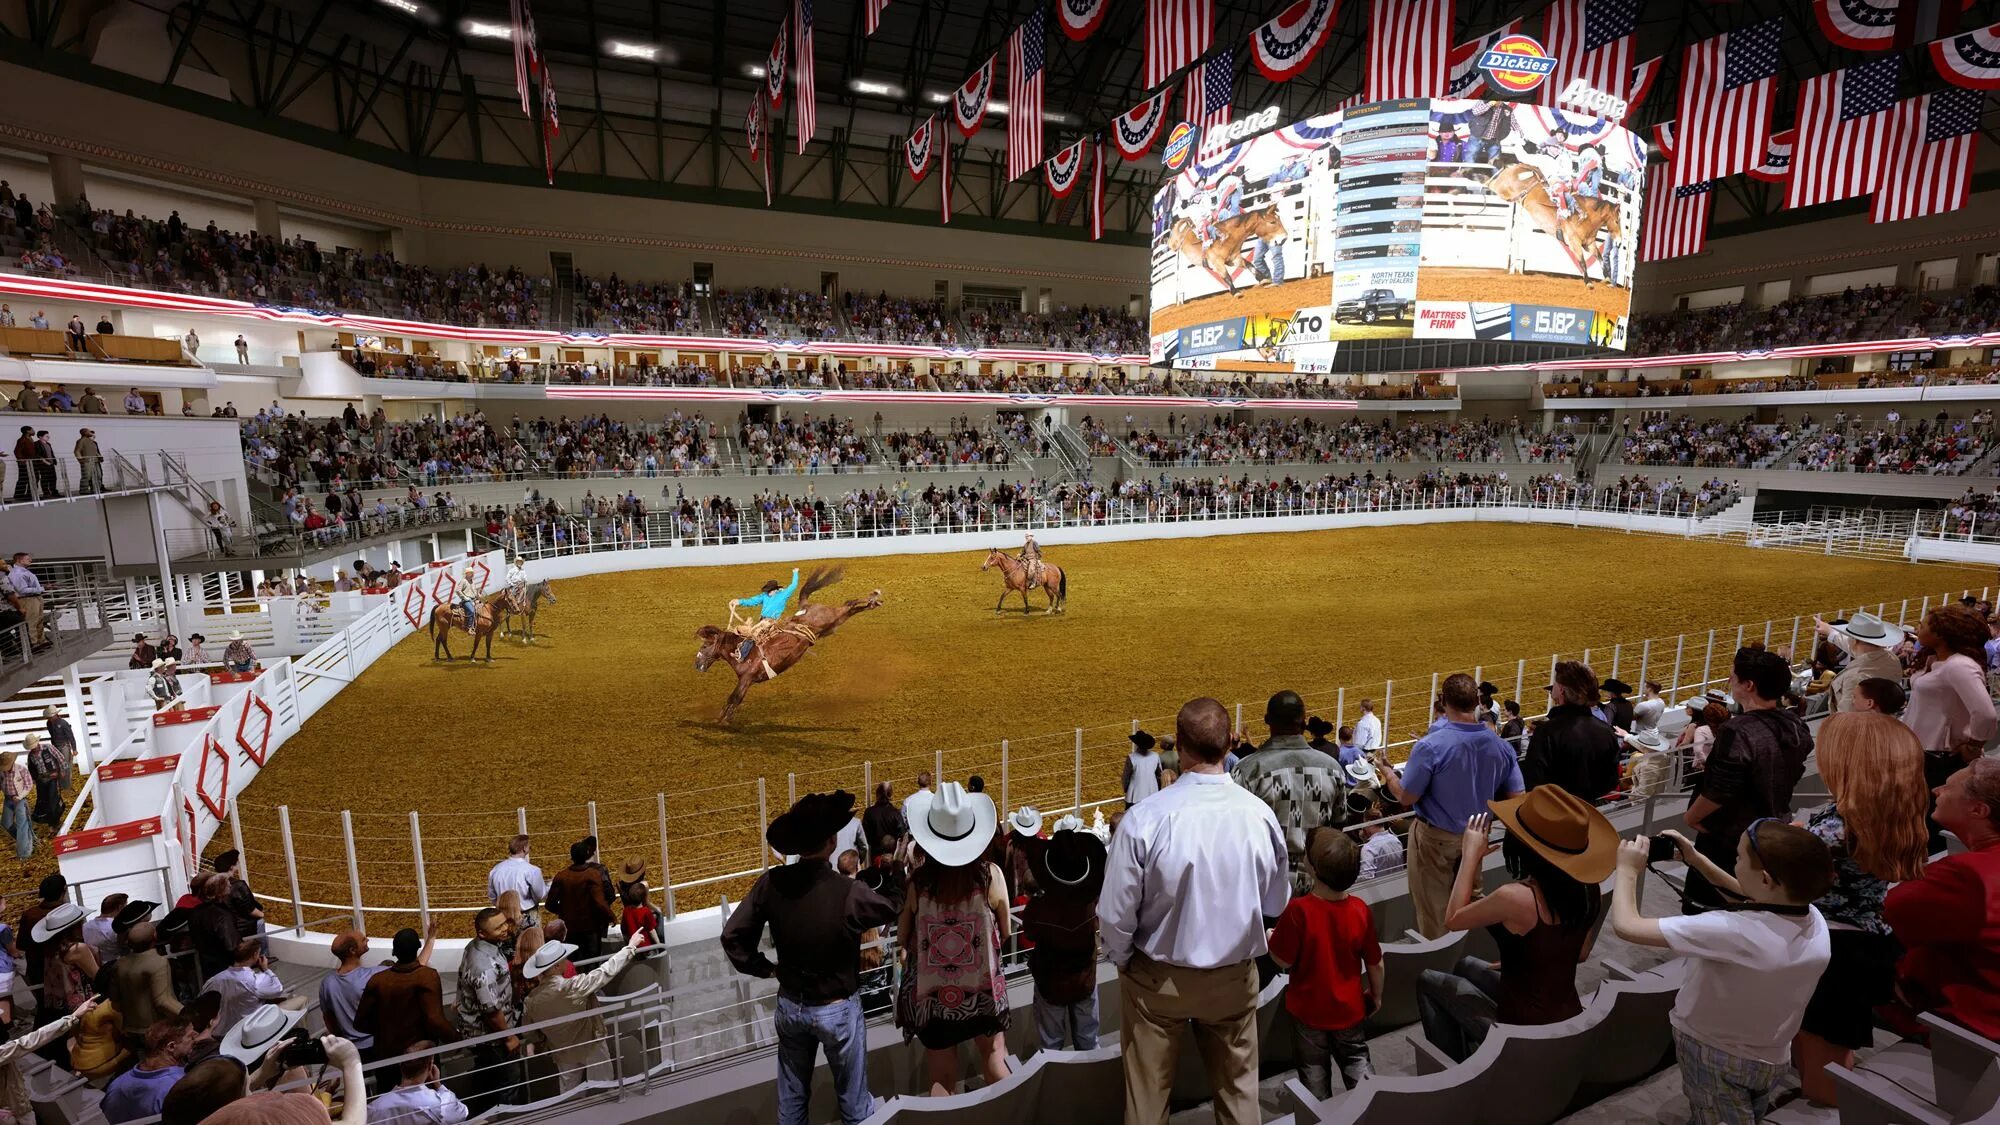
{"points": [[708, 840]]}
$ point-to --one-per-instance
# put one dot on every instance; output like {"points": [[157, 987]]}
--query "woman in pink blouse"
{"points": [[1950, 709]]}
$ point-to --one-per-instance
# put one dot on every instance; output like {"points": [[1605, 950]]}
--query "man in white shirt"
{"points": [[1751, 968], [518, 874], [247, 984], [1368, 728], [1193, 873], [923, 789], [420, 1098]]}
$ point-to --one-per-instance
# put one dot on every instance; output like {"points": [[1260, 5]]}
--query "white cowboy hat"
{"points": [[547, 956], [1871, 630], [255, 1034], [1647, 741], [236, 635], [1361, 772], [55, 921], [158, 663], [1069, 822], [1026, 820], [952, 826]]}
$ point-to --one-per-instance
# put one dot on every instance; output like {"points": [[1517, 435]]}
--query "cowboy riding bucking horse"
{"points": [[770, 605]]}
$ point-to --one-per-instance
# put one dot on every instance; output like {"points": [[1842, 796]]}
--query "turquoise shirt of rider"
{"points": [[770, 604]]}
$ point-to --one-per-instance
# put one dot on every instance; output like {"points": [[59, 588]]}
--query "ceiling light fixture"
{"points": [[883, 89], [621, 50], [407, 7], [754, 70], [479, 29]]}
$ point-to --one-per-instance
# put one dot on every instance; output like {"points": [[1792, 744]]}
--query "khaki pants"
{"points": [[31, 608], [1433, 860], [1157, 1002]]}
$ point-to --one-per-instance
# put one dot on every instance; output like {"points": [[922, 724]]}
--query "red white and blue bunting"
{"points": [[1642, 83], [1468, 78], [1080, 17], [1061, 170], [968, 102], [1971, 60], [1134, 131], [753, 128], [1281, 48], [774, 70], [917, 150], [1865, 25], [1777, 165]]}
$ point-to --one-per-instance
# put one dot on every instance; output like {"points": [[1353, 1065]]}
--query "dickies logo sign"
{"points": [[1180, 146], [1517, 63]]}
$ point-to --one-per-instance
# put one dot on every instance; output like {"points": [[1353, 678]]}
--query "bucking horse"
{"points": [[784, 645], [1224, 256], [1578, 231]]}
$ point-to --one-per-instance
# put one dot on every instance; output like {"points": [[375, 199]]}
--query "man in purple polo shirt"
{"points": [[1451, 773], [139, 1092]]}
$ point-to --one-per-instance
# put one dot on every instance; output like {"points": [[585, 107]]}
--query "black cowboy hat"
{"points": [[1069, 864], [811, 822], [1141, 740], [1318, 727], [132, 914], [1616, 686], [773, 584], [1486, 688]]}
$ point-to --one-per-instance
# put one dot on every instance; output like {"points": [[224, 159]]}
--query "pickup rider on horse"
{"points": [[517, 584], [770, 604], [1031, 557]]}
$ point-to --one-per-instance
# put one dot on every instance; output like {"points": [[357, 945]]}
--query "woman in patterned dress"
{"points": [[953, 925]]}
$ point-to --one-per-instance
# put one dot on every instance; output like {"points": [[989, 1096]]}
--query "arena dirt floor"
{"points": [[1282, 299], [1439, 283], [608, 706]]}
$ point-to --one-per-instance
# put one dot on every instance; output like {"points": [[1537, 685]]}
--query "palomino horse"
{"points": [[1223, 256], [1053, 582], [536, 592], [1588, 217], [781, 648], [445, 618]]}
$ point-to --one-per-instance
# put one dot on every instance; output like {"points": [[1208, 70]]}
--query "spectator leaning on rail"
{"points": [[1193, 873], [816, 917], [1753, 968], [1572, 747], [518, 873], [1949, 920], [1305, 788], [1451, 774], [405, 1002], [340, 991], [1140, 776], [1759, 756]]}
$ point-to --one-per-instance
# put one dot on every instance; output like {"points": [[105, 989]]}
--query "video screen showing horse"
{"points": [[1423, 218], [1531, 225]]}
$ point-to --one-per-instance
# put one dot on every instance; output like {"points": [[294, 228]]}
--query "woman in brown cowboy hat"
{"points": [[1559, 849]]}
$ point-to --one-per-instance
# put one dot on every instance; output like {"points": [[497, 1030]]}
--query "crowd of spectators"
{"points": [[1939, 446], [1973, 311], [1099, 331], [1662, 439], [882, 319], [761, 313], [611, 304], [1219, 441]]}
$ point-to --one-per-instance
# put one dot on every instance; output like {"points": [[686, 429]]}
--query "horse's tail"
{"points": [[820, 579], [1062, 584]]}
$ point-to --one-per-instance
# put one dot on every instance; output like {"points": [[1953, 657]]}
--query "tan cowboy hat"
{"points": [[1564, 829]]}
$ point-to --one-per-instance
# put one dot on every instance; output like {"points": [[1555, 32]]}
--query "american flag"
{"points": [[1728, 86], [1026, 50], [1409, 49], [803, 106], [871, 15], [1929, 171], [1177, 33], [1096, 188], [523, 35], [1843, 132], [1591, 40], [944, 175], [1777, 165], [1211, 88], [1676, 219]]}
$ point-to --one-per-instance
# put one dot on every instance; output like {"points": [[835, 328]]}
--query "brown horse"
{"points": [[445, 618], [1053, 582], [536, 592], [1224, 256], [781, 648], [1588, 217]]}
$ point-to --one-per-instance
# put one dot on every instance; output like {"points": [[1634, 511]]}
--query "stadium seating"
{"points": [[1956, 1079]]}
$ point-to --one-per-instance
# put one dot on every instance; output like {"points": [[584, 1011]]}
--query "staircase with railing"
{"points": [[562, 291]]}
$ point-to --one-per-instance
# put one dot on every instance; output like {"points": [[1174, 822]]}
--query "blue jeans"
{"points": [[1066, 1026], [14, 819], [802, 1030], [1458, 1008]]}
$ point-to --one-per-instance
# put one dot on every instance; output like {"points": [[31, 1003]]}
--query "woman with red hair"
{"points": [[1873, 766]]}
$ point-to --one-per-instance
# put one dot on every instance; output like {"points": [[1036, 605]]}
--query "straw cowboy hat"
{"points": [[1025, 821], [158, 664], [815, 819], [255, 1034], [952, 826], [56, 921], [632, 871], [1870, 630], [547, 956], [30, 740], [1564, 829], [1646, 741]]}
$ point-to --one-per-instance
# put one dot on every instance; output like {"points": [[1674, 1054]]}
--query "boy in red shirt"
{"points": [[1326, 940]]}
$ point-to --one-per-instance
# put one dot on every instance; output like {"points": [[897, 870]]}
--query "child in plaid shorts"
{"points": [[1751, 967]]}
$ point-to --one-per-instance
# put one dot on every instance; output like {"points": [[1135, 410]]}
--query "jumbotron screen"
{"points": [[1426, 219]]}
